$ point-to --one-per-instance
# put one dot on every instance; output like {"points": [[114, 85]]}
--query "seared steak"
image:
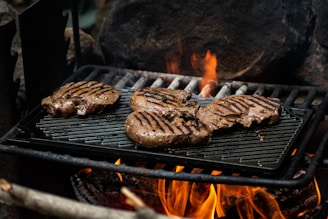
{"points": [[162, 100], [239, 109], [151, 130], [80, 98]]}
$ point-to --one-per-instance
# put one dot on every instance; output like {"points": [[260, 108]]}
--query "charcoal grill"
{"points": [[262, 151]]}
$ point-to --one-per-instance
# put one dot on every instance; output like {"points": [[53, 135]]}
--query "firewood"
{"points": [[48, 204]]}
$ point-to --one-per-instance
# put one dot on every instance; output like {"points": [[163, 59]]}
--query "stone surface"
{"points": [[91, 53], [265, 41]]}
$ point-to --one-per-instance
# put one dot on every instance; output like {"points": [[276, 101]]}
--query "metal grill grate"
{"points": [[36, 136], [260, 149]]}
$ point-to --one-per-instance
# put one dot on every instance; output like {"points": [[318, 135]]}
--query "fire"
{"points": [[185, 199], [208, 66], [205, 66], [86, 170], [119, 175], [181, 198], [209, 201]]}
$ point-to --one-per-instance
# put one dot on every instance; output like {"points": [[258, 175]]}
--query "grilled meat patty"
{"points": [[240, 109], [80, 98], [163, 100], [152, 130]]}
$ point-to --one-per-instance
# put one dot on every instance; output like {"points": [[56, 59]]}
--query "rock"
{"points": [[90, 50], [264, 41]]}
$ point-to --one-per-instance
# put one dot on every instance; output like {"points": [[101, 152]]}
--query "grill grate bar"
{"points": [[234, 147], [224, 91], [159, 82], [309, 99], [141, 82], [223, 161], [259, 91], [192, 85], [277, 91], [175, 84], [124, 81], [242, 90]]}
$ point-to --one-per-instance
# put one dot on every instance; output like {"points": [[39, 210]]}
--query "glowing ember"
{"points": [[84, 171]]}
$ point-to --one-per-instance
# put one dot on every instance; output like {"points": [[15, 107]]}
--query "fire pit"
{"points": [[269, 156]]}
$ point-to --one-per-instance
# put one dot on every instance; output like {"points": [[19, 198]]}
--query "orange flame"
{"points": [[202, 66], [209, 201], [119, 175], [86, 170], [208, 66]]}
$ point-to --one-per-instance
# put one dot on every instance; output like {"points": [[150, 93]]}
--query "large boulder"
{"points": [[266, 41]]}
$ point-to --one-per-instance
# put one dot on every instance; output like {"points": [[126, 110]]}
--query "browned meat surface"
{"points": [[162, 100], [151, 130], [80, 98], [240, 109]]}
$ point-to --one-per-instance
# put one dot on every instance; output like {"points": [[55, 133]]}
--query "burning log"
{"points": [[295, 202], [48, 204], [102, 188], [195, 200]]}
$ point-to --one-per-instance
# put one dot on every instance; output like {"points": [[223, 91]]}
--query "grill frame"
{"points": [[284, 180], [239, 150]]}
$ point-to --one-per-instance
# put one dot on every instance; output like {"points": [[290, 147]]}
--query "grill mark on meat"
{"points": [[171, 127], [162, 104], [83, 89], [262, 102], [81, 98], [271, 102], [239, 103], [98, 91], [160, 131], [87, 88], [69, 88], [163, 124], [74, 89], [227, 108], [184, 128], [161, 95], [159, 123], [161, 99], [218, 111], [157, 95], [139, 119], [180, 129], [171, 119], [155, 119], [236, 106], [248, 109], [190, 129]]}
